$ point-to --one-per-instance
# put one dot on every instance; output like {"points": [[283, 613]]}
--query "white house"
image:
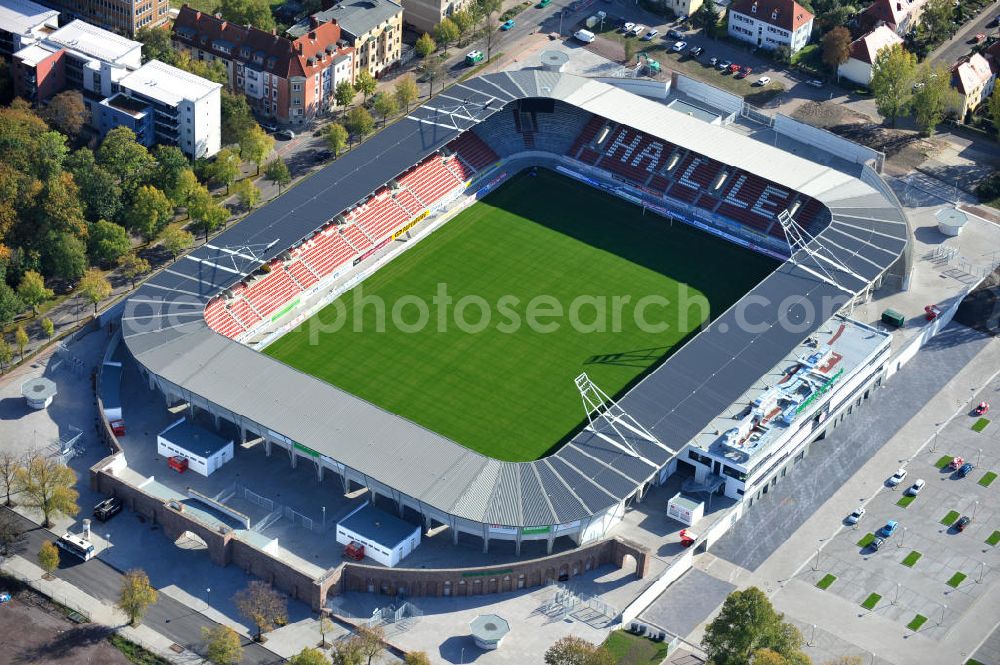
{"points": [[974, 80], [770, 23], [864, 50], [900, 16]]}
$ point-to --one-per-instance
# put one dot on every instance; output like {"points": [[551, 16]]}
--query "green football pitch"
{"points": [[478, 331]]}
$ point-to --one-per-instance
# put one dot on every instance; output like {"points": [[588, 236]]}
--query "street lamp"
{"points": [[324, 517], [979, 456], [975, 509], [208, 590], [944, 608]]}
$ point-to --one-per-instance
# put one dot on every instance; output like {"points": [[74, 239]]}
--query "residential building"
{"points": [[900, 16], [974, 79], [864, 50], [23, 22], [683, 7], [164, 104], [291, 80], [423, 15], [373, 27], [770, 23], [122, 16]]}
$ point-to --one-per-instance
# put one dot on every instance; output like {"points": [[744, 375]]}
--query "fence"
{"points": [[581, 606], [275, 511]]}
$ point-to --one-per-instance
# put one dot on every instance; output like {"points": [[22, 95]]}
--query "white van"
{"points": [[77, 546], [585, 36]]}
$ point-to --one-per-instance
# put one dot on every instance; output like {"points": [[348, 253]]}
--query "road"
{"points": [[167, 617], [959, 45]]}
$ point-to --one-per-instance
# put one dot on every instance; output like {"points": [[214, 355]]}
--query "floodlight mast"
{"points": [[606, 418]]}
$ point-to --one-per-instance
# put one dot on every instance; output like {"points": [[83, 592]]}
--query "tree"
{"points": [[336, 138], [222, 645], [344, 93], [359, 122], [262, 605], [371, 642], [47, 485], [48, 328], [175, 240], [100, 193], [256, 145], [936, 20], [994, 110], [171, 164], [10, 464], [136, 595], [255, 12], [417, 658], [187, 185], [156, 44], [6, 353], [706, 17], [10, 304], [132, 266], [348, 651], [48, 557], [365, 83], [892, 77], [64, 256], [206, 214], [406, 92], [12, 537], [94, 287], [385, 105], [446, 32], [236, 117], [484, 10], [247, 193], [149, 213], [309, 657], [783, 54], [577, 651], [425, 45], [836, 47], [226, 168], [108, 243], [433, 68], [32, 291], [67, 112], [277, 172], [933, 98], [21, 340], [746, 624], [126, 159], [465, 21], [769, 657]]}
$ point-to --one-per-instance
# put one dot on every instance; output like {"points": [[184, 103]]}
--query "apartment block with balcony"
{"points": [[423, 15], [374, 28]]}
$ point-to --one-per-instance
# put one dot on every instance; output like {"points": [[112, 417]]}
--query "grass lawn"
{"points": [[826, 581], [944, 461], [904, 501], [866, 540], [912, 558], [629, 649], [950, 518], [988, 478], [980, 424], [871, 601], [993, 539], [973, 661], [135, 653], [493, 375], [917, 622], [956, 580]]}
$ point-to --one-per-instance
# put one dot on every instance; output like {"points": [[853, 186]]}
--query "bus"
{"points": [[77, 546]]}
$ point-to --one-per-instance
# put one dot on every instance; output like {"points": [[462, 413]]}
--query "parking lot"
{"points": [[928, 575]]}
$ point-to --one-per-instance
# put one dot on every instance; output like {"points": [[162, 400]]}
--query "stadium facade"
{"points": [[853, 234]]}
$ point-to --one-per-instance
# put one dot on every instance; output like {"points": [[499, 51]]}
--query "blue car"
{"points": [[965, 469], [508, 24], [890, 528]]}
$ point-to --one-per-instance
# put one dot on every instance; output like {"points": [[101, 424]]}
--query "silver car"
{"points": [[856, 516]]}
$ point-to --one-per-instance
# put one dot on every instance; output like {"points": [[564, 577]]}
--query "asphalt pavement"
{"points": [[167, 616], [962, 43]]}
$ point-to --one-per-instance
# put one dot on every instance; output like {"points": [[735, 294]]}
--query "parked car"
{"points": [[915, 488], [713, 61], [474, 58], [286, 135], [763, 80], [585, 36], [675, 34], [678, 47], [890, 528], [508, 24], [733, 68], [816, 83], [962, 522], [649, 35], [856, 516], [694, 52], [744, 72], [637, 30], [956, 463], [542, 4], [876, 544], [108, 508], [269, 126], [723, 65], [897, 477], [982, 408], [627, 27], [965, 469]]}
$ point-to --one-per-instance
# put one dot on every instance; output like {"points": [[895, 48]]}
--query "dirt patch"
{"points": [[607, 48], [904, 149], [34, 633]]}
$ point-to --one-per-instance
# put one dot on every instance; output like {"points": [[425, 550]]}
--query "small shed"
{"points": [[387, 539], [685, 510], [951, 221], [38, 392], [488, 631], [204, 450]]}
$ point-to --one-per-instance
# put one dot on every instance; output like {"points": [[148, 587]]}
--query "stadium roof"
{"points": [[165, 330]]}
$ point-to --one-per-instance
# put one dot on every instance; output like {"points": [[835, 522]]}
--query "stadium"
{"points": [[526, 183]]}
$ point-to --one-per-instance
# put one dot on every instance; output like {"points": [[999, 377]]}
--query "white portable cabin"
{"points": [[387, 539], [204, 451]]}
